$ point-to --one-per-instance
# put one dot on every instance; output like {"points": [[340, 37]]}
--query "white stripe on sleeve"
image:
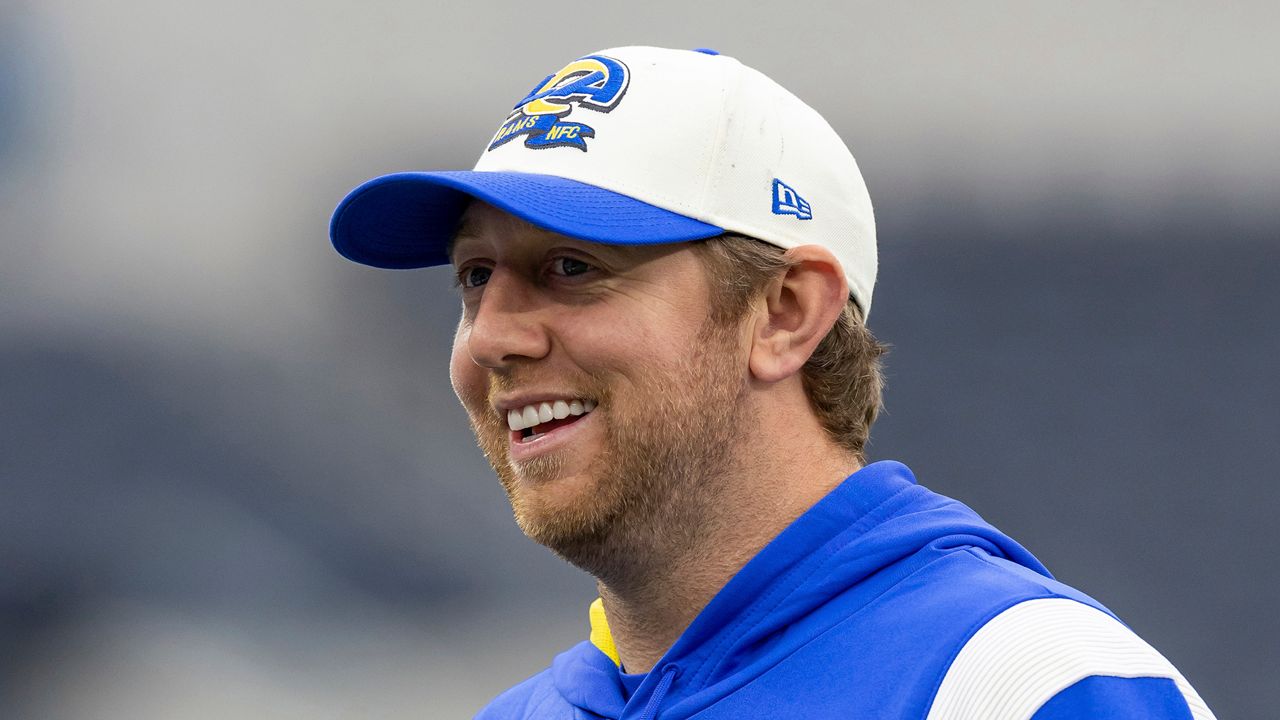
{"points": [[1027, 654]]}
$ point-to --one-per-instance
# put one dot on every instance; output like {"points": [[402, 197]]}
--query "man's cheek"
{"points": [[463, 376], [456, 383]]}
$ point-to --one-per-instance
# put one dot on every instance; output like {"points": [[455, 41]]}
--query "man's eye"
{"points": [[569, 266], [472, 277]]}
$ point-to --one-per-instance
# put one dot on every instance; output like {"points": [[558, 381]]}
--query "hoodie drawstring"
{"points": [[659, 692]]}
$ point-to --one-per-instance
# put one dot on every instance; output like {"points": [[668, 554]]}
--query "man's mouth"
{"points": [[533, 421]]}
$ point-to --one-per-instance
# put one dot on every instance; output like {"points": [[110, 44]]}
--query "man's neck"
{"points": [[649, 611]]}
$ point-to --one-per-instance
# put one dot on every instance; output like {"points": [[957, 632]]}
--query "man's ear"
{"points": [[798, 309]]}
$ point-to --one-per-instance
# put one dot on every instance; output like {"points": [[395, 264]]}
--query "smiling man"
{"points": [[665, 262]]}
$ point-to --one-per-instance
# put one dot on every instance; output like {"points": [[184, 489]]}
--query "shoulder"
{"points": [[529, 699], [1052, 658]]}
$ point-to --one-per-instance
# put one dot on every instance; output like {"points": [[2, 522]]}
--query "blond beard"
{"points": [[659, 477]]}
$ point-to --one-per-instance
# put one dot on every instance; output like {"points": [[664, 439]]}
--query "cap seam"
{"points": [[711, 163]]}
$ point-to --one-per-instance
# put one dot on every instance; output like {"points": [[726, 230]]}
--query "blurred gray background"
{"points": [[234, 481]]}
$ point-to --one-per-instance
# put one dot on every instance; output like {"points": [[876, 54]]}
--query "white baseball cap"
{"points": [[632, 146]]}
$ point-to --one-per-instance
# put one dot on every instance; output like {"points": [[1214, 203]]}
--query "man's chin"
{"points": [[563, 527], [551, 501], [558, 497]]}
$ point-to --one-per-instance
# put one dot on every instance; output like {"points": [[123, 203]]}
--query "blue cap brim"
{"points": [[407, 220]]}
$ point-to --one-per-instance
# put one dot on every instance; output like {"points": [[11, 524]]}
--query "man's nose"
{"points": [[509, 323]]}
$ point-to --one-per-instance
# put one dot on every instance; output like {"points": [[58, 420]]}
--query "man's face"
{"points": [[553, 323]]}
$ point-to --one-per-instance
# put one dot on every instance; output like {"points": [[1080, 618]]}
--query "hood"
{"points": [[871, 531]]}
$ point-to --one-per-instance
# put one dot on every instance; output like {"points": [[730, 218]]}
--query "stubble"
{"points": [[656, 483]]}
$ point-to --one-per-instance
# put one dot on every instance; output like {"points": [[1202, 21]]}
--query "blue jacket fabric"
{"points": [[859, 609]]}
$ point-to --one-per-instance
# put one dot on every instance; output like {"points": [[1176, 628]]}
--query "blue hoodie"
{"points": [[860, 609]]}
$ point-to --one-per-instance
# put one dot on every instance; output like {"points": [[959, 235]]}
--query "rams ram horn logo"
{"points": [[594, 82]]}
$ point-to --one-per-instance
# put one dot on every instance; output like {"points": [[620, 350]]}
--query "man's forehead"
{"points": [[482, 222], [483, 226]]}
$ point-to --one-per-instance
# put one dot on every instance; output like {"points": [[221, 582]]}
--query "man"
{"points": [[665, 261]]}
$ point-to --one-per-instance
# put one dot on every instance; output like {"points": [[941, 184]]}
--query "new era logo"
{"points": [[786, 201]]}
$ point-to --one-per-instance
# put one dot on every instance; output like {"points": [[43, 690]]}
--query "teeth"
{"points": [[531, 415]]}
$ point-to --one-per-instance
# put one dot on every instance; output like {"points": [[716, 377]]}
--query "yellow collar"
{"points": [[600, 635]]}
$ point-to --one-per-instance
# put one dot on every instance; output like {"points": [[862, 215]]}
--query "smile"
{"points": [[533, 421]]}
